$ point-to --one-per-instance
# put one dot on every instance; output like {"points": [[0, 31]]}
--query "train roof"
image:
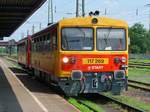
{"points": [[45, 29], [85, 21]]}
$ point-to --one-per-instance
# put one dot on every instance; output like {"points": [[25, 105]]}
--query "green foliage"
{"points": [[139, 39], [2, 50], [82, 107]]}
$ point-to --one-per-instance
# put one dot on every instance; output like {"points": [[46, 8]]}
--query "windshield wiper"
{"points": [[106, 39], [81, 30], [65, 43]]}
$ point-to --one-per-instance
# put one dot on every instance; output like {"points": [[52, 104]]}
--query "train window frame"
{"points": [[54, 39], [48, 42], [125, 31], [93, 31]]}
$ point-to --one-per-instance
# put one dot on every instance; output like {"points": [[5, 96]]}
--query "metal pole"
{"points": [[27, 32], [48, 11], [33, 29], [105, 11], [148, 5], [149, 21], [52, 11], [83, 8], [40, 26], [77, 8]]}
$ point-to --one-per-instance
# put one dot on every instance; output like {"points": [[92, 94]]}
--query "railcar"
{"points": [[82, 55], [24, 51]]}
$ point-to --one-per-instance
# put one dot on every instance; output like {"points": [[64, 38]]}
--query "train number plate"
{"points": [[95, 83], [95, 61]]}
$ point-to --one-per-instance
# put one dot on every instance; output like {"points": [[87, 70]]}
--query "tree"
{"points": [[139, 39]]}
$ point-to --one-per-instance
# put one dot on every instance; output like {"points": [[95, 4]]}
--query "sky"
{"points": [[118, 9]]}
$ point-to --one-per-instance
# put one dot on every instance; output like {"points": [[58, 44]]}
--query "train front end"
{"points": [[93, 55]]}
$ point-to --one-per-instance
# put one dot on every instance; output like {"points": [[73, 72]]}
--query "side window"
{"points": [[32, 45], [38, 44], [26, 44], [48, 42], [54, 40], [43, 44]]}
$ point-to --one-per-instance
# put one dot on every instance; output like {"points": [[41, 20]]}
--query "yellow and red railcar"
{"points": [[24, 49], [83, 55]]}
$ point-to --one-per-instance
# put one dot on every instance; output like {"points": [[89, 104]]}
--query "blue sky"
{"points": [[119, 9]]}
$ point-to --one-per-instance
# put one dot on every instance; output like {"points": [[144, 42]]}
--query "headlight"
{"points": [[65, 60], [123, 59], [116, 60]]}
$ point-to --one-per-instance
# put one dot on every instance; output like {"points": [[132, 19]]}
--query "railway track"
{"points": [[139, 65], [104, 97], [89, 107], [139, 85], [139, 62], [126, 106]]}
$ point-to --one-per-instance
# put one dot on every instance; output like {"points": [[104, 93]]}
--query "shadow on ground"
{"points": [[34, 84]]}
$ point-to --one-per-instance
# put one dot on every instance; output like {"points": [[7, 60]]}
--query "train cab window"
{"points": [[79, 39], [111, 39]]}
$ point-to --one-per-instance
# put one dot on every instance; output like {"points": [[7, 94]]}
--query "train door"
{"points": [[54, 48], [29, 51], [26, 52]]}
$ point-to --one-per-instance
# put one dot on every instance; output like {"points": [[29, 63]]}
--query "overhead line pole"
{"points": [[77, 8], [50, 11], [80, 8], [149, 20], [148, 5], [83, 8]]}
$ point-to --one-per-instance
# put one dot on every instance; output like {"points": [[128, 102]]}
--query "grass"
{"points": [[132, 101], [139, 60], [13, 56], [14, 64], [142, 75], [82, 107], [93, 105]]}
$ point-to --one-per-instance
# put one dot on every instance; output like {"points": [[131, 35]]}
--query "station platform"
{"points": [[15, 97]]}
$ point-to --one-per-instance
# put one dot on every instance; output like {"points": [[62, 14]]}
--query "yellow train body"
{"points": [[49, 57]]}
